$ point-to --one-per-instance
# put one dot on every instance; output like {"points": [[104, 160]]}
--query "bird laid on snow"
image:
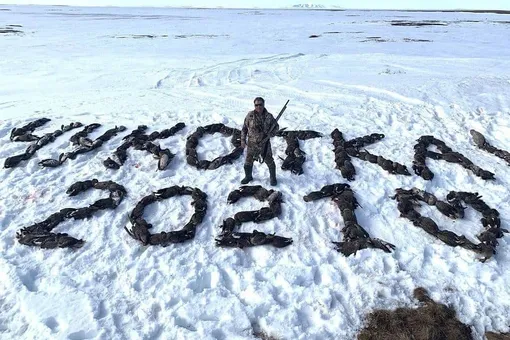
{"points": [[139, 232], [478, 138]]}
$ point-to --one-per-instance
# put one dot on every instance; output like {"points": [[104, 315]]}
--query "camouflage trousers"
{"points": [[253, 152]]}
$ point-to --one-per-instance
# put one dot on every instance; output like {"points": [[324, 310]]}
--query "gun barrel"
{"points": [[264, 141]]}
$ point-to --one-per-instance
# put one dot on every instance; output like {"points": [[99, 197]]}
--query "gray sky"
{"points": [[360, 4]]}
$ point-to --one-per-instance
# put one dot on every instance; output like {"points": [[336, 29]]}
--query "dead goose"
{"points": [[353, 231], [228, 227], [370, 157], [61, 241], [449, 210], [80, 186], [246, 216], [351, 247], [111, 164], [178, 236], [165, 157], [348, 171], [427, 224], [411, 215], [32, 148], [280, 241], [105, 203], [85, 142], [258, 238], [167, 192], [235, 240], [451, 238], [12, 161], [81, 213], [139, 232], [47, 138], [478, 138], [487, 251], [25, 138], [401, 169], [50, 163], [97, 143], [265, 214]]}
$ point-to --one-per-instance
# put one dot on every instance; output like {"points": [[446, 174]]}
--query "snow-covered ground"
{"points": [[361, 75]]}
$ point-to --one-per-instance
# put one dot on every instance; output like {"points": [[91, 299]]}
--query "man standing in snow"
{"points": [[259, 124]]}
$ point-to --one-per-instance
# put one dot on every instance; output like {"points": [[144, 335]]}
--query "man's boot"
{"points": [[272, 173], [247, 174]]}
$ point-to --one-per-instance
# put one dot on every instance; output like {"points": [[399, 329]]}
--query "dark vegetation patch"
{"points": [[140, 36], [390, 71], [260, 334], [416, 40], [430, 321], [375, 39], [417, 23], [10, 30], [432, 22], [252, 13], [483, 11], [336, 32], [114, 16], [497, 336], [264, 336], [184, 36]]}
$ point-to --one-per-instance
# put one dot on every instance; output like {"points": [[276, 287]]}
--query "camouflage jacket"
{"points": [[256, 127]]}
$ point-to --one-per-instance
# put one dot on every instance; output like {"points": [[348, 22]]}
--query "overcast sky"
{"points": [[361, 4]]}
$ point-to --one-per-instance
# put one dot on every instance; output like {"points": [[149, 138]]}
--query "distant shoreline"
{"points": [[476, 11], [481, 11]]}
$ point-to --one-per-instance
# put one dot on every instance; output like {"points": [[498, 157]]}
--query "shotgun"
{"points": [[264, 142]]}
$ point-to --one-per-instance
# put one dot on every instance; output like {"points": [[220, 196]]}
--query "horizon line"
{"points": [[331, 8]]}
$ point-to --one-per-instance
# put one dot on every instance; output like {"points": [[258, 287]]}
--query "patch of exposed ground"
{"points": [[184, 36], [417, 23], [375, 39], [252, 13], [11, 29], [497, 336], [416, 40], [430, 321], [481, 11], [140, 36], [391, 71], [260, 334], [337, 32], [380, 39]]}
